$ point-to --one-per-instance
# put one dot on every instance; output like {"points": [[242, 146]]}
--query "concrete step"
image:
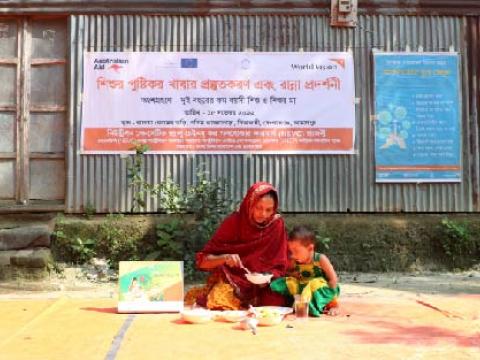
{"points": [[25, 237], [25, 246], [25, 264]]}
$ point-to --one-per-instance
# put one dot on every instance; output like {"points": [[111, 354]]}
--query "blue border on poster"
{"points": [[417, 106]]}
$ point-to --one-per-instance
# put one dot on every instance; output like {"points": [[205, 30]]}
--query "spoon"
{"points": [[244, 268]]}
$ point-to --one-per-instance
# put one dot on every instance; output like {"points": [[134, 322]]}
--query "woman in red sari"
{"points": [[253, 237]]}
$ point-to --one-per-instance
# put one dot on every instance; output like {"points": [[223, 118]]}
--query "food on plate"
{"points": [[266, 312], [259, 278], [196, 316], [233, 315], [269, 316]]}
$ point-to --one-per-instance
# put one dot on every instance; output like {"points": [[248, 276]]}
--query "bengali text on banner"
{"points": [[218, 102]]}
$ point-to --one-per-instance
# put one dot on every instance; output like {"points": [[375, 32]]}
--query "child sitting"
{"points": [[310, 274]]}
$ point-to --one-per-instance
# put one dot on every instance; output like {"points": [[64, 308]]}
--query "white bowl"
{"points": [[258, 278], [196, 316], [268, 316], [281, 309], [233, 315], [270, 321]]}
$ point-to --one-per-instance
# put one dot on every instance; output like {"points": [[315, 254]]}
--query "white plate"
{"points": [[281, 309]]}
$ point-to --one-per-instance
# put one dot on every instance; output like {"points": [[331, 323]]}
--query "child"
{"points": [[310, 274], [135, 291]]}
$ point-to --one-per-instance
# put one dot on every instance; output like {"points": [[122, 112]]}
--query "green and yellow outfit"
{"points": [[310, 281]]}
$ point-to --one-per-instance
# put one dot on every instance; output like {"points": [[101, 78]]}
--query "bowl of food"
{"points": [[269, 317], [196, 316], [259, 278], [233, 315]]}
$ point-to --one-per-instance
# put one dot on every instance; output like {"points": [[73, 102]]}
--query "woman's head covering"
{"points": [[262, 248], [255, 193]]}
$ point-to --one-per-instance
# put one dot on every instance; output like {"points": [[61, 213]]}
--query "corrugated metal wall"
{"points": [[307, 183]]}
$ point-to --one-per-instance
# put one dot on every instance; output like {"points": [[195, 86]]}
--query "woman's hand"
{"points": [[212, 261], [232, 260]]}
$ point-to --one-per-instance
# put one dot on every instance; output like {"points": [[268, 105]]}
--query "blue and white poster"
{"points": [[417, 132]]}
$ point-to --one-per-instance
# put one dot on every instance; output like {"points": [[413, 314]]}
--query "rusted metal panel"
{"points": [[235, 7], [307, 183], [472, 98]]}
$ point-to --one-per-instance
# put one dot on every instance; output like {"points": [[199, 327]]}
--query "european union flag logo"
{"points": [[189, 63]]}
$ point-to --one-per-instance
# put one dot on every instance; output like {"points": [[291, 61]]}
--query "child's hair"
{"points": [[302, 234]]}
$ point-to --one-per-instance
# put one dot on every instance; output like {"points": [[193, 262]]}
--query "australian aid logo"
{"points": [[111, 64]]}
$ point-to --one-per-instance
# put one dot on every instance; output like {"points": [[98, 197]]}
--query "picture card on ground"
{"points": [[150, 286]]}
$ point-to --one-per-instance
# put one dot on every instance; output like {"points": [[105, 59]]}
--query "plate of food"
{"points": [[282, 309], [196, 316], [258, 278], [232, 315], [269, 315]]}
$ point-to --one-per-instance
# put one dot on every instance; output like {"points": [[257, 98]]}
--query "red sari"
{"points": [[261, 247]]}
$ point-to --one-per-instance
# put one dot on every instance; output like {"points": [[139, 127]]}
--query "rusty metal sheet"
{"points": [[234, 7]]}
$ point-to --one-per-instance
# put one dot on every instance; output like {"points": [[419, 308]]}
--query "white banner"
{"points": [[218, 102]]}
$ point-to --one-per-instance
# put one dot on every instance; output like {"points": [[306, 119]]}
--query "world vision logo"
{"points": [[340, 62]]}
